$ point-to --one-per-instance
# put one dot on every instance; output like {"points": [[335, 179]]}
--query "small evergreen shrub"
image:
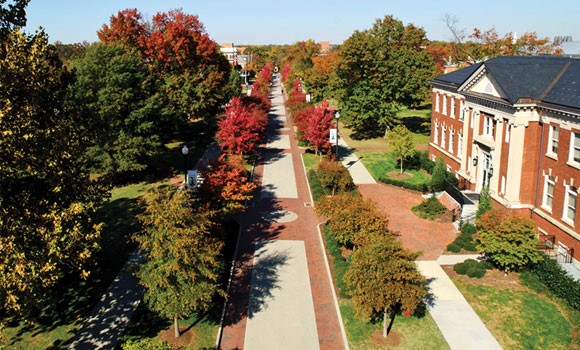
{"points": [[423, 188], [460, 268], [476, 272], [454, 248], [471, 268], [429, 209], [558, 281], [465, 239], [334, 176], [468, 229]]}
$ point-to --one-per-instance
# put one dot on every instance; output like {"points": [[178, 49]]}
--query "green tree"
{"points": [[485, 202], [47, 200], [438, 176], [382, 278], [235, 83], [401, 143], [183, 265], [381, 69], [115, 96], [512, 244], [12, 16]]}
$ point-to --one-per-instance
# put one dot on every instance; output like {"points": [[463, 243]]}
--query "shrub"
{"points": [[486, 265], [471, 268], [468, 229], [470, 246], [424, 162], [430, 207], [454, 248], [558, 281], [414, 187], [339, 263], [334, 176], [476, 272], [460, 268], [315, 186]]}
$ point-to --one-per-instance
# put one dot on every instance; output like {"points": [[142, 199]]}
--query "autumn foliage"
{"points": [[318, 129], [243, 127], [226, 185]]}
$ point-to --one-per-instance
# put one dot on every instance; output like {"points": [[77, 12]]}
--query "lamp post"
{"points": [[185, 151], [336, 116]]}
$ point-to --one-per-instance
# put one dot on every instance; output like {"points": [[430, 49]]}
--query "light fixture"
{"points": [[475, 160]]}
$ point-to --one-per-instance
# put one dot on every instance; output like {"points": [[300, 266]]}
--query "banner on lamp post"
{"points": [[333, 136]]}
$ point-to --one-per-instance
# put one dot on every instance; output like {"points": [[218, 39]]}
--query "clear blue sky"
{"points": [[288, 21]]}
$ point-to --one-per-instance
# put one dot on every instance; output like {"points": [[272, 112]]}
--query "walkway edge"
{"points": [[342, 330]]}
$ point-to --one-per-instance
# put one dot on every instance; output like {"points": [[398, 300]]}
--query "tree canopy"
{"points": [[381, 69], [182, 249], [401, 143], [47, 200]]}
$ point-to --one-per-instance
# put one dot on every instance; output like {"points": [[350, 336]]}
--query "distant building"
{"points": [[513, 124], [325, 48], [231, 52]]}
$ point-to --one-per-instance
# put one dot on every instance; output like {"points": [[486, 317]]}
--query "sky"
{"points": [[289, 21]]}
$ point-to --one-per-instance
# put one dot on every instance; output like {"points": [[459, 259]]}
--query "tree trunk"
{"points": [[176, 326], [401, 166], [385, 323]]}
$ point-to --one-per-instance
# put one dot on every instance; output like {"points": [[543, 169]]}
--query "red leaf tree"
{"points": [[318, 129], [126, 28], [301, 120], [240, 131], [226, 185]]}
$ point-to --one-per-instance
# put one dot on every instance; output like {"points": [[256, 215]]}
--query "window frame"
{"points": [[570, 192], [549, 182], [554, 129]]}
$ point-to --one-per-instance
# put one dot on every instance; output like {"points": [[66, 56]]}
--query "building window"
{"points": [[433, 157], [460, 144], [508, 130], [489, 126], [553, 140], [436, 133], [462, 111], [443, 129], [570, 204], [549, 185], [575, 148], [451, 134], [436, 102], [444, 105], [452, 112], [471, 117]]}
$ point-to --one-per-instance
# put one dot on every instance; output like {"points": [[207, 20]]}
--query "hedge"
{"points": [[315, 185], [339, 263], [558, 281], [472, 268], [415, 187]]}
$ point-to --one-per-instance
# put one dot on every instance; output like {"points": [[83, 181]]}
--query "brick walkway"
{"points": [[416, 234], [256, 226]]}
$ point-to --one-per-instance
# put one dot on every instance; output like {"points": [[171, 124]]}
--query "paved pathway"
{"points": [[459, 324], [256, 314]]}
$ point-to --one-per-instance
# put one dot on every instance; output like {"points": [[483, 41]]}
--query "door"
{"points": [[485, 171]]}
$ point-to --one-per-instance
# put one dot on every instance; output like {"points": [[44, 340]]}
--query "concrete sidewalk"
{"points": [[359, 173], [459, 324]]}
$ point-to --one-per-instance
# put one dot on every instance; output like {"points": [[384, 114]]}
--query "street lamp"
{"points": [[185, 151], [336, 116]]}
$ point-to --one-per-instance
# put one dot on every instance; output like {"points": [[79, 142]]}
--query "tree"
{"points": [[47, 199], [318, 77], [318, 130], [512, 244], [127, 28], [439, 175], [382, 278], [234, 83], [333, 175], [240, 132], [485, 202], [352, 219], [182, 254], [12, 16], [381, 69], [401, 143], [226, 185], [115, 96]]}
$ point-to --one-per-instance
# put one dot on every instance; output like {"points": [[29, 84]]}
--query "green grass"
{"points": [[415, 333], [519, 319], [379, 164], [310, 161]]}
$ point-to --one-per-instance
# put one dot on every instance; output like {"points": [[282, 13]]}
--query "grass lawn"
{"points": [[379, 164], [517, 316], [407, 333]]}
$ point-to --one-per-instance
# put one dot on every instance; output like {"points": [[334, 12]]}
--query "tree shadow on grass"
{"points": [[417, 124]]}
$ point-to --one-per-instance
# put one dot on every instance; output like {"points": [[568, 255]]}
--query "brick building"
{"points": [[513, 124]]}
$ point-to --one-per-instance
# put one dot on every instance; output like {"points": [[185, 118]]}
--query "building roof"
{"points": [[550, 79]]}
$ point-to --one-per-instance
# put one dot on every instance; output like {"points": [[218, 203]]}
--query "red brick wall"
{"points": [[531, 156]]}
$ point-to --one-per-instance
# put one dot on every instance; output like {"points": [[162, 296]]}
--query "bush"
{"points": [[476, 272], [334, 176], [471, 268], [315, 186], [558, 281], [470, 246], [339, 263], [460, 268], [468, 229], [414, 187], [429, 208], [454, 248], [424, 162]]}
